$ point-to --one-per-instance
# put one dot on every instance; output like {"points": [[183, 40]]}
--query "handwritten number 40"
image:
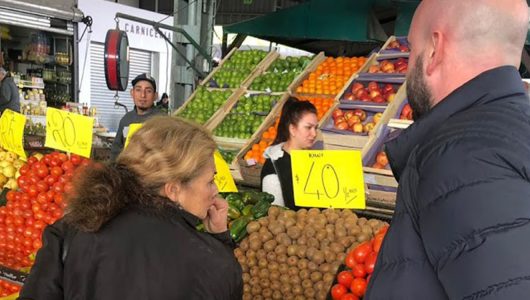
{"points": [[331, 186]]}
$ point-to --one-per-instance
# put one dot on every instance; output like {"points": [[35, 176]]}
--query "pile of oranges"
{"points": [[331, 75], [256, 152]]}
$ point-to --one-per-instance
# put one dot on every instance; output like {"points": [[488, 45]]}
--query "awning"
{"points": [[339, 27], [60, 9]]}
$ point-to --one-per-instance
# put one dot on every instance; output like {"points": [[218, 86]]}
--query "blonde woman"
{"points": [[129, 232]]}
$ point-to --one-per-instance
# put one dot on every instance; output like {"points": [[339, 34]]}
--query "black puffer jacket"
{"points": [[142, 253], [461, 226]]}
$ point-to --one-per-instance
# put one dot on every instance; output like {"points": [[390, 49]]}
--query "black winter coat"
{"points": [[461, 225], [139, 254]]}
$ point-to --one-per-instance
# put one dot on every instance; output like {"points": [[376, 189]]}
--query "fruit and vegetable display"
{"points": [[399, 66], [280, 74], [359, 265], [204, 104], [9, 289], [38, 202], [331, 75], [371, 92], [10, 165], [381, 161], [234, 71], [406, 113], [246, 117], [357, 120], [244, 207], [295, 255]]}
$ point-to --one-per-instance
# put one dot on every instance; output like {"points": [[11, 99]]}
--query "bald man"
{"points": [[461, 228]]}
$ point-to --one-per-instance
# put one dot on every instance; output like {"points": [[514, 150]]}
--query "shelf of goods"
{"points": [[44, 178], [295, 255]]}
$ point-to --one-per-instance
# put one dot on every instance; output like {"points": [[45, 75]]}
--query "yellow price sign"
{"points": [[69, 132], [12, 132], [328, 178], [132, 129], [223, 178]]}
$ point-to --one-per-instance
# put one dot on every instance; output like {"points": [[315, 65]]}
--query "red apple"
{"points": [[353, 120], [388, 88], [340, 120], [358, 128], [404, 48], [356, 86], [369, 127], [390, 97], [359, 93], [393, 45], [377, 117], [377, 166], [406, 109], [341, 125], [388, 68], [373, 86], [348, 115], [365, 98], [337, 113], [360, 113], [378, 99], [375, 93], [374, 69], [402, 69], [349, 96], [381, 158]]}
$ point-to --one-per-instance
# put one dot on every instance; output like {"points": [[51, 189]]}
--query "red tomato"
{"points": [[75, 159], [37, 243], [42, 186], [49, 195], [369, 264], [56, 171], [24, 169], [42, 198], [68, 165], [32, 190], [337, 291], [32, 160], [23, 182], [345, 278], [358, 271], [55, 162], [358, 287], [349, 296], [39, 225], [378, 241], [41, 169], [47, 159], [63, 157], [349, 261], [361, 252], [58, 188], [68, 187], [10, 196]]}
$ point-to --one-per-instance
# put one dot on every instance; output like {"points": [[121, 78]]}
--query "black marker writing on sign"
{"points": [[60, 125]]}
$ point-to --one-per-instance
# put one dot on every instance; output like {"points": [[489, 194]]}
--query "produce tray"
{"points": [[329, 127], [349, 98], [378, 179], [379, 76], [259, 69], [391, 53]]}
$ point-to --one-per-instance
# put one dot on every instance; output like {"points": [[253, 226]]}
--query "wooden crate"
{"points": [[261, 68], [384, 52], [241, 143], [219, 115]]}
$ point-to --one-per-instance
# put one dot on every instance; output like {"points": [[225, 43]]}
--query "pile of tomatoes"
{"points": [[360, 262], [38, 202], [7, 288]]}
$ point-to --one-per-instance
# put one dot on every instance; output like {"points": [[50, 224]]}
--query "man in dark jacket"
{"points": [[462, 218], [9, 97]]}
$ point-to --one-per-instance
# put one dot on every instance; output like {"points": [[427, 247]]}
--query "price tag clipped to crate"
{"points": [[69, 132], [132, 129], [223, 178], [12, 132], [328, 178]]}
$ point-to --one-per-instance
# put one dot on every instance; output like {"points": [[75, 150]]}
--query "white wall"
{"points": [[141, 36]]}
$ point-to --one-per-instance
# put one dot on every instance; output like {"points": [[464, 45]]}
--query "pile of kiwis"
{"points": [[295, 255]]}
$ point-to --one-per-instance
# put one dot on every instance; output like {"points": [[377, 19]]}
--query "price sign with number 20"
{"points": [[328, 179], [69, 132]]}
